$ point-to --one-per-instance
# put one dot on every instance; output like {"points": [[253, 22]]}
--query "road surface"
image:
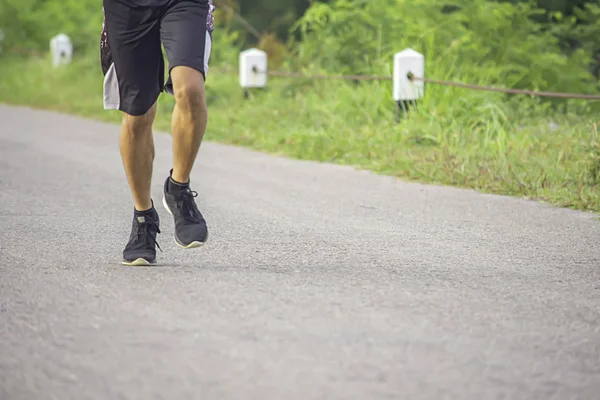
{"points": [[318, 282]]}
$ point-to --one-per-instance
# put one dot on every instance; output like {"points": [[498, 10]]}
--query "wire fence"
{"points": [[411, 77], [295, 75], [510, 91]]}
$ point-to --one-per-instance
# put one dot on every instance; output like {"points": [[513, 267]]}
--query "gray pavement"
{"points": [[318, 282]]}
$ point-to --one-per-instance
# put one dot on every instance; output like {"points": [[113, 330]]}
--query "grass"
{"points": [[484, 141]]}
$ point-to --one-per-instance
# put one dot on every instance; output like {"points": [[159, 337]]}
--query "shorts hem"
{"points": [[133, 111], [202, 66]]}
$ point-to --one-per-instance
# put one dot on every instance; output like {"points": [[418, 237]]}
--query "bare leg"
{"points": [[137, 152], [188, 125], [189, 120]]}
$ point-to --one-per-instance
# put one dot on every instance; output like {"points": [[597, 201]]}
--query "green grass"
{"points": [[478, 140]]}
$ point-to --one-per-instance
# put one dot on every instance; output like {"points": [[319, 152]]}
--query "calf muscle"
{"points": [[189, 120], [137, 152]]}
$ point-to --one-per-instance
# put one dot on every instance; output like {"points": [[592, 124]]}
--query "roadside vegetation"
{"points": [[538, 148]]}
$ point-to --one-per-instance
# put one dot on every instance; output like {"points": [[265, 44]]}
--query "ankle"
{"points": [[179, 178], [144, 207], [175, 187]]}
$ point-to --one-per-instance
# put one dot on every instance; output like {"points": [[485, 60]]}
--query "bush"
{"points": [[29, 25], [480, 41]]}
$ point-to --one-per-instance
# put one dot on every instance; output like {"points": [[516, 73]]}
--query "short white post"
{"points": [[407, 91], [61, 48], [253, 69]]}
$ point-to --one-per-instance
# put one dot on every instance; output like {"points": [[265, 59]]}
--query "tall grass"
{"points": [[456, 137]]}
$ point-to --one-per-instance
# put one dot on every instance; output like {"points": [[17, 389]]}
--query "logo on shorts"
{"points": [[210, 19]]}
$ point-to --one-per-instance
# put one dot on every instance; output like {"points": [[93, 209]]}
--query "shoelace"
{"points": [[143, 230], [187, 206]]}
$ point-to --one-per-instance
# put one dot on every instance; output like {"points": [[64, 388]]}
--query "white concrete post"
{"points": [[61, 48], [253, 69], [405, 62]]}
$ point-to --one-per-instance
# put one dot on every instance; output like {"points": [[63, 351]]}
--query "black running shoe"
{"points": [[190, 226], [140, 249]]}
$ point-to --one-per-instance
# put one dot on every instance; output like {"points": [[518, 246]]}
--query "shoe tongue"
{"points": [[141, 219]]}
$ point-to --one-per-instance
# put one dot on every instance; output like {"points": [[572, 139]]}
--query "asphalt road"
{"points": [[318, 282]]}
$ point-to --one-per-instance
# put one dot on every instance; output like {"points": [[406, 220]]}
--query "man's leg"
{"points": [[133, 75], [189, 120], [137, 152], [186, 34]]}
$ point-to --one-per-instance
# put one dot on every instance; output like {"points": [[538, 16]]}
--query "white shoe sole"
{"points": [[140, 262]]}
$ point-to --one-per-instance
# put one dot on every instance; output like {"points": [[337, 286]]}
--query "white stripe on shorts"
{"points": [[207, 51], [112, 97]]}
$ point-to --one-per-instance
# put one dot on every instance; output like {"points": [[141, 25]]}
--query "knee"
{"points": [[139, 125], [191, 97]]}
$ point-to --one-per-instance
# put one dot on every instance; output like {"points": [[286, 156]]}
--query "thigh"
{"points": [[131, 57], [186, 33]]}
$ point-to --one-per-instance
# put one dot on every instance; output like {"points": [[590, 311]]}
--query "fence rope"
{"points": [[330, 77], [413, 78], [410, 76], [506, 90]]}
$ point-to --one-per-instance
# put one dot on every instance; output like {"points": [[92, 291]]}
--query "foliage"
{"points": [[579, 29], [493, 42], [29, 24], [513, 145], [268, 16]]}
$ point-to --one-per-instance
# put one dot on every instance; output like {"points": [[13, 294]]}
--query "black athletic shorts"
{"points": [[130, 48]]}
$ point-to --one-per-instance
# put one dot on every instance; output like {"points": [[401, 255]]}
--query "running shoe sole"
{"points": [[140, 262]]}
